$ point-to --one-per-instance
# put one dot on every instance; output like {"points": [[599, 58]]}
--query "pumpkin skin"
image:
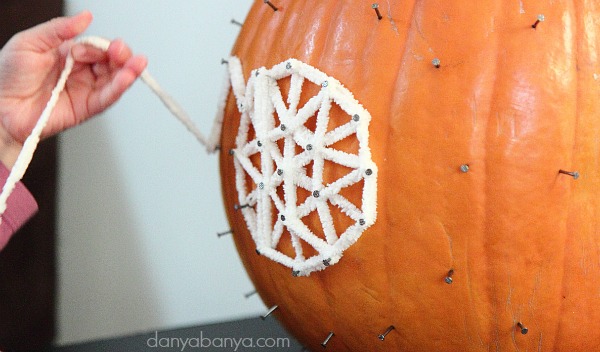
{"points": [[514, 103]]}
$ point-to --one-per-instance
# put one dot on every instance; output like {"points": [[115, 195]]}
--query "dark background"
{"points": [[27, 264]]}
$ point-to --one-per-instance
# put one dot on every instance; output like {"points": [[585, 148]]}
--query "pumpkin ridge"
{"points": [[574, 213], [242, 45], [383, 126], [564, 281]]}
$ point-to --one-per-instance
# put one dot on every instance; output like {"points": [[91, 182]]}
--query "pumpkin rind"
{"points": [[514, 103]]}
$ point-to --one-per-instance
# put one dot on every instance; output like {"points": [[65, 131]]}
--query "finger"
{"points": [[118, 53], [88, 54], [121, 81], [51, 34]]}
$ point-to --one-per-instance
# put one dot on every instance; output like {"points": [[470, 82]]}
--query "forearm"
{"points": [[9, 148]]}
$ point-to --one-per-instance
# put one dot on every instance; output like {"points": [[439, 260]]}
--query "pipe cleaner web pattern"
{"points": [[276, 134]]}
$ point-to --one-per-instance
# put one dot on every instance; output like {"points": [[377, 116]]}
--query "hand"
{"points": [[30, 65]]}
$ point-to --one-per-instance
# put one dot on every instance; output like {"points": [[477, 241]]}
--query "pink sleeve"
{"points": [[20, 207]]}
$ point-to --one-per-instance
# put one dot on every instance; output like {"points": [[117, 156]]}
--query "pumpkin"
{"points": [[485, 130]]}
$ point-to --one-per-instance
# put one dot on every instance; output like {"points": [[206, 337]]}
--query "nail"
{"points": [[524, 330], [271, 310], [327, 262], [448, 278], [238, 207], [324, 343], [574, 174], [436, 62], [464, 168], [250, 294], [223, 61], [270, 4], [375, 7], [220, 234], [540, 18], [233, 21], [382, 336]]}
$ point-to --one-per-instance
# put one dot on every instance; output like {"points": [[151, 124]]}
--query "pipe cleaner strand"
{"points": [[32, 141]]}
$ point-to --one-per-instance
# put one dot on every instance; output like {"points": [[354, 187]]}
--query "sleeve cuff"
{"points": [[20, 207]]}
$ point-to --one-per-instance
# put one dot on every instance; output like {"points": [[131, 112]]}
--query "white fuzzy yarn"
{"points": [[259, 101]]}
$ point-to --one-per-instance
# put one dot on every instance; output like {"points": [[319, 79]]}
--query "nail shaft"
{"points": [[574, 174], [389, 329], [540, 18], [233, 21], [271, 5], [250, 294], [375, 7], [324, 343], [238, 206], [271, 310], [448, 278], [220, 234]]}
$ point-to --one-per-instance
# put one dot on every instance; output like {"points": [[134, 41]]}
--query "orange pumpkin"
{"points": [[469, 184]]}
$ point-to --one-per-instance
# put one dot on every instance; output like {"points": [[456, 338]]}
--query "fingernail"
{"points": [[77, 51], [121, 46]]}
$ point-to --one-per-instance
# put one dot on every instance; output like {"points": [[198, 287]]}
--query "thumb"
{"points": [[51, 34]]}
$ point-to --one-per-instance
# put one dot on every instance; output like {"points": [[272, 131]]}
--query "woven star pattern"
{"points": [[289, 166]]}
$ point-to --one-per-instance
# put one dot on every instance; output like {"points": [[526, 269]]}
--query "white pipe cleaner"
{"points": [[30, 144], [275, 143]]}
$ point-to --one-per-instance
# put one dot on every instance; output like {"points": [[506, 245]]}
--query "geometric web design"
{"points": [[278, 153]]}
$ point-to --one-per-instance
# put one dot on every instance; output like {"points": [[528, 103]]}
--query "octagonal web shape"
{"points": [[283, 150]]}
